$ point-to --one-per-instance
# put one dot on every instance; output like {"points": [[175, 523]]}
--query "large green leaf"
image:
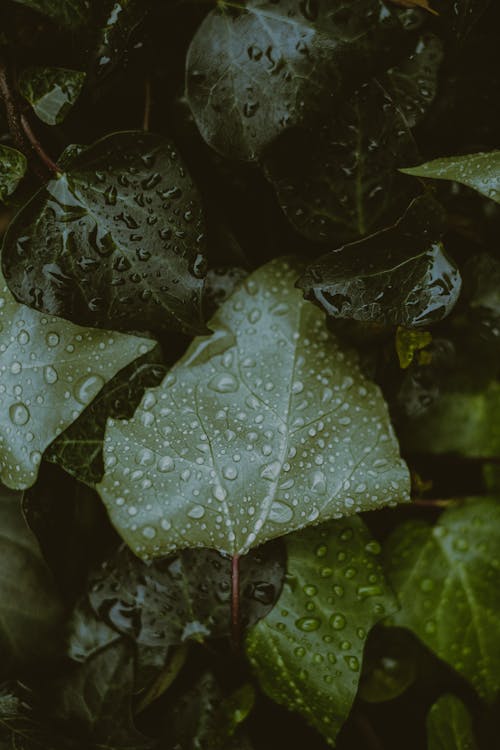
{"points": [[50, 370], [255, 70], [70, 13], [263, 428], [13, 166], [30, 609], [478, 171], [449, 725], [447, 578], [51, 91], [116, 240], [307, 653]]}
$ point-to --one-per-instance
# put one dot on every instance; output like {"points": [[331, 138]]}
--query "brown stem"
{"points": [[235, 602], [146, 120], [434, 503], [37, 147]]}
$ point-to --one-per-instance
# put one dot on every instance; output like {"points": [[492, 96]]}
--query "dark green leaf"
{"points": [[30, 609], [255, 70], [115, 240], [395, 277], [447, 579], [188, 597], [13, 166], [51, 91], [449, 725], [478, 171], [390, 665], [87, 634], [261, 429], [307, 653], [121, 20], [70, 13]]}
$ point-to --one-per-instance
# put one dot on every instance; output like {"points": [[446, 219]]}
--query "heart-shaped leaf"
{"points": [[13, 166], [50, 370], [307, 653], [446, 578], [116, 240], [263, 428], [449, 725], [255, 70], [51, 91]]}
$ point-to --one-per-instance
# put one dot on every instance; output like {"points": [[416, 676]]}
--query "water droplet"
{"points": [[280, 512], [225, 383], [19, 414], [87, 388], [337, 622], [308, 624], [196, 512]]}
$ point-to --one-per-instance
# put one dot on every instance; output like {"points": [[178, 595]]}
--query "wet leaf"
{"points": [[307, 653], [13, 166], [397, 277], [185, 598], [70, 13], [447, 578], [480, 172], [30, 609], [121, 20], [263, 428], [255, 70], [52, 92], [449, 725], [116, 240], [50, 371], [79, 448]]}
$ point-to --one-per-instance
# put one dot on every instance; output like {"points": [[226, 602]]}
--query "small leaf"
{"points": [[52, 92], [478, 171], [449, 725], [408, 343], [390, 665], [397, 277], [186, 598], [256, 70], [447, 578], [121, 20], [262, 428], [307, 653], [30, 609], [70, 13], [50, 370], [13, 166], [116, 240]]}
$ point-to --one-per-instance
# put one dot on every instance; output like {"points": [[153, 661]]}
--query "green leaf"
{"points": [[30, 609], [263, 428], [70, 13], [52, 92], [121, 21], [257, 69], [86, 634], [79, 448], [13, 166], [307, 653], [478, 171], [408, 343], [389, 666], [446, 578], [449, 725], [186, 598], [50, 370], [397, 277], [116, 240]]}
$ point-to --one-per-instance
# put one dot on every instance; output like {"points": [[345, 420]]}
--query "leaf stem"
{"points": [[146, 120], [235, 603], [434, 503]]}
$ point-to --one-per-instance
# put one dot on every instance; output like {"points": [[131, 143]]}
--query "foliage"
{"points": [[249, 374]]}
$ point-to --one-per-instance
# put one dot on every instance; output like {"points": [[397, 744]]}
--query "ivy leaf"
{"points": [[70, 13], [13, 166], [396, 277], [79, 448], [115, 240], [188, 597], [52, 92], [262, 428], [30, 609], [257, 69], [50, 370], [390, 665], [307, 653], [480, 172], [449, 725], [446, 578]]}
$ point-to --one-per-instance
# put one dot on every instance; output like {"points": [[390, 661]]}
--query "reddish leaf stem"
{"points": [[235, 602]]}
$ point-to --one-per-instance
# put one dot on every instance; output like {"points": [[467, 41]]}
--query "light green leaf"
{"points": [[51, 91], [70, 13], [263, 428], [50, 370], [30, 609], [478, 171], [13, 166], [447, 579], [307, 652], [449, 725]]}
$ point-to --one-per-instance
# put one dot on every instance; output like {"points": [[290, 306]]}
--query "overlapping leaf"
{"points": [[51, 91], [449, 725], [13, 167], [263, 428]]}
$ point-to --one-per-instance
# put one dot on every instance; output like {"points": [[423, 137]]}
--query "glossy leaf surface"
{"points": [[51, 91]]}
